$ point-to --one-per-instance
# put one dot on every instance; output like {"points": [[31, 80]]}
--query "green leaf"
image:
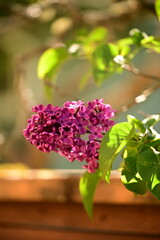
{"points": [[137, 36], [154, 184], [136, 123], [152, 43], [124, 42], [147, 164], [103, 62], [112, 143], [151, 120], [136, 184], [96, 35], [49, 61], [87, 186], [157, 8], [130, 169]]}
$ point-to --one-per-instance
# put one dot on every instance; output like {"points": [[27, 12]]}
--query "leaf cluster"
{"points": [[105, 58], [139, 145]]}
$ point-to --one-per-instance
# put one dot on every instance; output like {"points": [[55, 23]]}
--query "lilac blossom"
{"points": [[74, 130]]}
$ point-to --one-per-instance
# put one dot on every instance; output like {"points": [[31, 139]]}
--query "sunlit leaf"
{"points": [[50, 61], [112, 143], [157, 8], [154, 184], [151, 120], [152, 43], [96, 35], [103, 62], [136, 184], [124, 42], [137, 36], [87, 186], [136, 123]]}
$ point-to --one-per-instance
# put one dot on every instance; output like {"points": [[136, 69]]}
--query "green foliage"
{"points": [[139, 145], [105, 58], [136, 141], [112, 143], [87, 186], [50, 61], [157, 8], [103, 63]]}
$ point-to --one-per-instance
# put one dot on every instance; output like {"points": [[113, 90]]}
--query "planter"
{"points": [[46, 204]]}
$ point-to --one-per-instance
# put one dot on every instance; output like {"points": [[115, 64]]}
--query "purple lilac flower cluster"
{"points": [[74, 130]]}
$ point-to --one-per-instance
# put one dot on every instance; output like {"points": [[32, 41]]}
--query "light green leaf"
{"points": [[151, 120], [96, 35], [50, 61], [152, 43], [103, 62], [136, 123], [112, 143], [87, 186], [157, 8]]}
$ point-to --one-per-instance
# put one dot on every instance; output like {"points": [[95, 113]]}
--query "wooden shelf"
{"points": [[46, 205]]}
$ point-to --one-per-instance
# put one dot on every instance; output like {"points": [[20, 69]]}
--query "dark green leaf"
{"points": [[87, 186], [154, 184], [137, 36], [136, 184], [147, 164], [50, 61], [112, 143], [130, 169]]}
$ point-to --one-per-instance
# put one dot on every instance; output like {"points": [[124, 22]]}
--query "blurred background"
{"points": [[28, 28]]}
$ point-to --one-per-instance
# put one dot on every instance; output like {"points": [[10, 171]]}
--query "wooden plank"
{"points": [[131, 219], [35, 234], [62, 186]]}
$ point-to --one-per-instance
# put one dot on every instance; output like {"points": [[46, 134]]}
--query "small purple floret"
{"points": [[64, 129]]}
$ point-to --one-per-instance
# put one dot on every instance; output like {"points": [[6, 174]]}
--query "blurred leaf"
{"points": [[112, 143], [157, 8], [152, 43], [103, 62], [151, 120], [87, 186], [97, 35], [125, 42], [50, 61], [137, 36]]}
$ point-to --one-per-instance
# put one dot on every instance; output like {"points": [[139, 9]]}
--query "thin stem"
{"points": [[60, 92], [136, 71]]}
